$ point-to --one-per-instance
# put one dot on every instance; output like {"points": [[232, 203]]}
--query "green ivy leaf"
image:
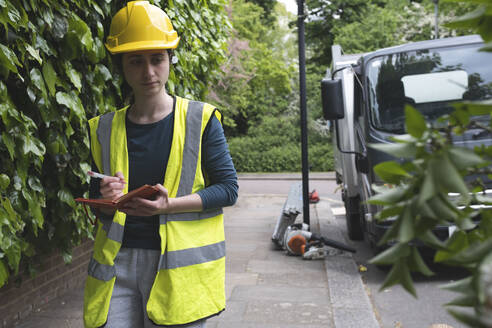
{"points": [[50, 77], [9, 143], [428, 190], [406, 279], [447, 177], [407, 229], [390, 212], [455, 244], [38, 82], [9, 59], [390, 172], [392, 278], [23, 164], [465, 300], [66, 196], [13, 15], [67, 257], [13, 256], [442, 209], [32, 145], [414, 122], [4, 273], [35, 184], [477, 108], [472, 254], [461, 286], [464, 158], [79, 33], [42, 44], [484, 271], [71, 101], [427, 212], [418, 264], [97, 52], [430, 239], [4, 181], [391, 255], [470, 319], [68, 130], [402, 150], [47, 15], [60, 26], [34, 210], [388, 197], [82, 173], [34, 53], [399, 274], [74, 76]]}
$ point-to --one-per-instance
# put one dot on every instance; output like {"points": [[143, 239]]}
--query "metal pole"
{"points": [[436, 15], [302, 87]]}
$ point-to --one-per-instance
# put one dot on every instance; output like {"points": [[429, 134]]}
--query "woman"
{"points": [[157, 262]]}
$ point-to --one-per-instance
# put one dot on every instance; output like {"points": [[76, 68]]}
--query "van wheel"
{"points": [[352, 213]]}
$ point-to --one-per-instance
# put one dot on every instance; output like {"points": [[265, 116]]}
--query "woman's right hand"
{"points": [[112, 187]]}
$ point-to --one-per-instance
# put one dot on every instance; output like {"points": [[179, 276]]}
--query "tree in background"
{"points": [[258, 94], [360, 26], [268, 16], [322, 18], [256, 78], [396, 23]]}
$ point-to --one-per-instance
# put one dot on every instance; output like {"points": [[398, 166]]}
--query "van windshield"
{"points": [[429, 80]]}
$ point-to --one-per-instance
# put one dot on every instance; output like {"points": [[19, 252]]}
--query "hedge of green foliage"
{"points": [[275, 146], [55, 74], [248, 157]]}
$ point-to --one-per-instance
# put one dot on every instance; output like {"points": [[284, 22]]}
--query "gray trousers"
{"points": [[135, 272]]}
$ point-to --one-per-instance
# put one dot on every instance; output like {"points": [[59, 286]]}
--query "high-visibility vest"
{"points": [[189, 284]]}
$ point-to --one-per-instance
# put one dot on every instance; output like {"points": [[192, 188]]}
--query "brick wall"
{"points": [[53, 279]]}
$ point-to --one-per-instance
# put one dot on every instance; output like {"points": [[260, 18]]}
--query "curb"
{"points": [[286, 176], [343, 278]]}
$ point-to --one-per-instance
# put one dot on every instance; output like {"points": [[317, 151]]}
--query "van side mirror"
{"points": [[332, 99]]}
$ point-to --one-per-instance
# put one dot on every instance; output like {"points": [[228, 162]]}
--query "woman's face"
{"points": [[146, 71]]}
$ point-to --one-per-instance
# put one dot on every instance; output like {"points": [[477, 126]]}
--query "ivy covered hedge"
{"points": [[55, 74]]}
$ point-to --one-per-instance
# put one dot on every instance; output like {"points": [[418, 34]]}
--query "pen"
{"points": [[93, 174], [96, 175]]}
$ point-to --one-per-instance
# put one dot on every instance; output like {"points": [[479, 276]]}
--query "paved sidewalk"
{"points": [[265, 288]]}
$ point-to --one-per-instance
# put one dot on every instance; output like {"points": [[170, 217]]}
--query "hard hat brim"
{"points": [[142, 45]]}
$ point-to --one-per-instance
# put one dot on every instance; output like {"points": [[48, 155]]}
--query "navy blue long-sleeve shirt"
{"points": [[149, 146]]}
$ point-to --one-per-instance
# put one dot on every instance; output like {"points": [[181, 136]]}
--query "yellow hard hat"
{"points": [[141, 26]]}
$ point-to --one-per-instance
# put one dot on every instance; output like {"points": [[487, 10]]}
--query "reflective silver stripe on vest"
{"points": [[101, 271], [106, 223], [162, 219], [104, 137], [192, 216], [114, 230], [191, 147], [191, 256]]}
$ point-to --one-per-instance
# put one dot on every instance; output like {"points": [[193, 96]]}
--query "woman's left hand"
{"points": [[145, 207]]}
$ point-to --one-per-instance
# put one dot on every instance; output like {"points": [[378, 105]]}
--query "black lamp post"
{"points": [[302, 91]]}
